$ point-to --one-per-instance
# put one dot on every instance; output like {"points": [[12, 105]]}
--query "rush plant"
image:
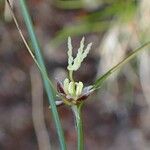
{"points": [[70, 92]]}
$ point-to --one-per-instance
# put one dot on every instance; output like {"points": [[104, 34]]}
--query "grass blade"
{"points": [[42, 68], [101, 79]]}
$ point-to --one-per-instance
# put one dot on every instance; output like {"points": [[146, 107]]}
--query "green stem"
{"points": [[71, 76], [80, 133], [48, 87], [102, 78], [79, 126]]}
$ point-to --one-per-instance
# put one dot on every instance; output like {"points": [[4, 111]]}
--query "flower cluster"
{"points": [[74, 64], [71, 92]]}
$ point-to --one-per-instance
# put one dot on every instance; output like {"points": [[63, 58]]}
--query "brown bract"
{"points": [[68, 99]]}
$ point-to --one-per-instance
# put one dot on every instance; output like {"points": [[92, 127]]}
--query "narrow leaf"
{"points": [[101, 79], [40, 63]]}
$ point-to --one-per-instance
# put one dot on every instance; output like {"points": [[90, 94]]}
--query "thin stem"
{"points": [[102, 78], [80, 133], [48, 87], [71, 75], [79, 125]]}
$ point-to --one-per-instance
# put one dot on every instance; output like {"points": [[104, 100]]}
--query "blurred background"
{"points": [[117, 117]]}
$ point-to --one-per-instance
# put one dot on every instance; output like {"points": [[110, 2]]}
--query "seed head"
{"points": [[75, 63]]}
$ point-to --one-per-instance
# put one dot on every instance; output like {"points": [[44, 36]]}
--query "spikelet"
{"points": [[74, 64]]}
